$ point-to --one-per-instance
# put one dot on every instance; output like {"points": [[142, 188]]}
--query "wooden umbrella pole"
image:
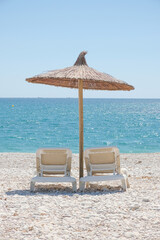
{"points": [[80, 88]]}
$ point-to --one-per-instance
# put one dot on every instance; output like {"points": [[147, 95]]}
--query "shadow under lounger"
{"points": [[52, 180], [86, 180]]}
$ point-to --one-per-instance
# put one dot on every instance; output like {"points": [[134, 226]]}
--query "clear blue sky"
{"points": [[122, 38]]}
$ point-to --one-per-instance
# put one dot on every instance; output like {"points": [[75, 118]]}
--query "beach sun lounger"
{"points": [[53, 165], [103, 164]]}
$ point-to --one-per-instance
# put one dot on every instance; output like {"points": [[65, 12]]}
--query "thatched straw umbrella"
{"points": [[82, 77]]}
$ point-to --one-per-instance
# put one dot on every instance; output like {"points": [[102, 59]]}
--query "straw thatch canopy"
{"points": [[92, 79]]}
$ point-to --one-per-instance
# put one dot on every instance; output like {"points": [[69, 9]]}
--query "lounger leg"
{"points": [[87, 184], [32, 185], [124, 187], [81, 186], [124, 172], [74, 186], [128, 185]]}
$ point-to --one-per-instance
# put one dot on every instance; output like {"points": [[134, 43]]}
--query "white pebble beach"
{"points": [[104, 211]]}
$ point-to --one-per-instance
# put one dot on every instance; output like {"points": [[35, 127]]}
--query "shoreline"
{"points": [[103, 211], [78, 153]]}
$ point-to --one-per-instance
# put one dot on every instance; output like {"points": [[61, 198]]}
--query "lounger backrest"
{"points": [[104, 155], [53, 156]]}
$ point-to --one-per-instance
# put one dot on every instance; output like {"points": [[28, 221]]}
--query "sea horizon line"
{"points": [[76, 98]]}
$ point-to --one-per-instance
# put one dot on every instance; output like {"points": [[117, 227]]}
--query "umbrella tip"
{"points": [[84, 52], [81, 59]]}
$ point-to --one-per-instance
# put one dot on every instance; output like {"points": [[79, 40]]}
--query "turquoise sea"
{"points": [[133, 125]]}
